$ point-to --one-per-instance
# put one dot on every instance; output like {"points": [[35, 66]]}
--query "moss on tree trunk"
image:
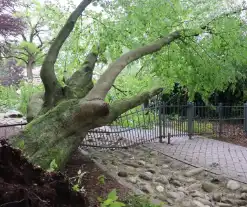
{"points": [[52, 135]]}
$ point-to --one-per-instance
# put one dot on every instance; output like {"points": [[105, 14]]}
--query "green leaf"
{"points": [[117, 204], [113, 195], [107, 202], [21, 144], [76, 188], [53, 164]]}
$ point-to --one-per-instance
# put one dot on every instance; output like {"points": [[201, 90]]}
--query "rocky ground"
{"points": [[169, 180]]}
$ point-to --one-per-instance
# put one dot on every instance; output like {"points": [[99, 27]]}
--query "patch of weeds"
{"points": [[101, 179], [76, 181], [111, 200], [53, 166]]}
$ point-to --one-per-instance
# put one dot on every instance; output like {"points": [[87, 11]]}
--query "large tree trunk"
{"points": [[52, 136]]}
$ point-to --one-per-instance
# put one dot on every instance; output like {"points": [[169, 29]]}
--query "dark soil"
{"points": [[232, 133], [93, 187], [22, 184]]}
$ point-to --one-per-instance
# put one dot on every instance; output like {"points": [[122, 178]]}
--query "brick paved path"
{"points": [[216, 156]]}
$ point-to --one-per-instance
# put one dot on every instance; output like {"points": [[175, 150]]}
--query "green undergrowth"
{"points": [[202, 127], [13, 97]]}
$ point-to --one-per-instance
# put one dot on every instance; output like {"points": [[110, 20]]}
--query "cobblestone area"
{"points": [[169, 180], [216, 156]]}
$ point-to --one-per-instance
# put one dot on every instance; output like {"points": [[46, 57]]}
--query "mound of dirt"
{"points": [[22, 184]]}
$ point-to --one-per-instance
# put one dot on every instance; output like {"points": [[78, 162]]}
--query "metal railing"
{"points": [[160, 122]]}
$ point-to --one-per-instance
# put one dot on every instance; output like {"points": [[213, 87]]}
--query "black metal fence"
{"points": [[160, 123]]}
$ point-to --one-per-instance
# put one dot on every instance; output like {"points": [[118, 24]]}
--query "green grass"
{"points": [[202, 127]]}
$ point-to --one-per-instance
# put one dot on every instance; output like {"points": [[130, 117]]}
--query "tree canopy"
{"points": [[209, 55]]}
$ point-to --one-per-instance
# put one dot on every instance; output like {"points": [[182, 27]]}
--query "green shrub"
{"points": [[199, 127], [11, 99]]}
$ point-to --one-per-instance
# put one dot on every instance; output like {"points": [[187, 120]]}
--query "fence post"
{"points": [[190, 116], [245, 118], [160, 123], [220, 119]]}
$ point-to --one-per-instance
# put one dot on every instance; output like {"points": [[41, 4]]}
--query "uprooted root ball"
{"points": [[22, 184]]}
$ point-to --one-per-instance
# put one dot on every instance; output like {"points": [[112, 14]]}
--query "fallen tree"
{"points": [[62, 116]]}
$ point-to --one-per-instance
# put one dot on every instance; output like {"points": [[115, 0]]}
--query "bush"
{"points": [[199, 127], [13, 97]]}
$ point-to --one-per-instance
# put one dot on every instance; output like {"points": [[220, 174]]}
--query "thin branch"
{"points": [[139, 71], [118, 89], [24, 38], [16, 57], [41, 42], [26, 49]]}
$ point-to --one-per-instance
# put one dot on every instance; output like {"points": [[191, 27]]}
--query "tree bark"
{"points": [[47, 72], [80, 83], [30, 65]]}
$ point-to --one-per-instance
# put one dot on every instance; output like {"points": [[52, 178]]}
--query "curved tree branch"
{"points": [[47, 72], [119, 107], [107, 79]]}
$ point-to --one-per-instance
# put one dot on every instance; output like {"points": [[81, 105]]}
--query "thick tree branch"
{"points": [[47, 72], [80, 83], [119, 107], [107, 79], [16, 57]]}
